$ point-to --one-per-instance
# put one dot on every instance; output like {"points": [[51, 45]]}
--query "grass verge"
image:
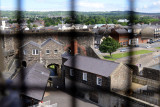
{"points": [[125, 54], [157, 47]]}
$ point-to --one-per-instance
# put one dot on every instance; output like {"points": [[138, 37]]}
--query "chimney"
{"points": [[74, 47]]}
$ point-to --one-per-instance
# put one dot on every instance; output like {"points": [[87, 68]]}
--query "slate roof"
{"points": [[50, 39], [66, 55], [121, 31], [35, 75], [51, 28], [147, 32], [92, 65], [32, 43], [39, 46]]}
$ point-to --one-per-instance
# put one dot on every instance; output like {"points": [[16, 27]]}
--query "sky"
{"points": [[147, 6]]}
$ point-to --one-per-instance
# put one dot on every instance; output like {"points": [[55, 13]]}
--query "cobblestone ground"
{"points": [[65, 100]]}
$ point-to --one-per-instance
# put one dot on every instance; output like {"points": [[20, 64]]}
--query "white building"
{"points": [[123, 20]]}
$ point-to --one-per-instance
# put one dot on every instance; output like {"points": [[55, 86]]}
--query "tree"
{"points": [[35, 25], [109, 45]]}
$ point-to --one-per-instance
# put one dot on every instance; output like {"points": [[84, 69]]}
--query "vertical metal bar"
{"points": [[19, 38], [73, 34], [2, 81], [131, 36]]}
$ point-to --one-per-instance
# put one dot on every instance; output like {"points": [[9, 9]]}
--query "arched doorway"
{"points": [[53, 68]]}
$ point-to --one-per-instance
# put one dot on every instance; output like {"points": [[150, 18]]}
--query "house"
{"points": [[92, 26], [147, 32], [87, 73], [123, 20], [51, 51], [121, 36], [52, 28], [48, 51], [30, 52], [65, 26]]}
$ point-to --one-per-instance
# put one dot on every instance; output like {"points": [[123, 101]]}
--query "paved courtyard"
{"points": [[65, 100]]}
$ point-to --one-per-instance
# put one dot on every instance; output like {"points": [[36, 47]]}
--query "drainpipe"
{"points": [[40, 54]]}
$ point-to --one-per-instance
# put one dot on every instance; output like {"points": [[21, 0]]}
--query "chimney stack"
{"points": [[74, 47]]}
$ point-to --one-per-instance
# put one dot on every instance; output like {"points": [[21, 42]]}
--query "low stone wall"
{"points": [[145, 81], [147, 98], [151, 73]]}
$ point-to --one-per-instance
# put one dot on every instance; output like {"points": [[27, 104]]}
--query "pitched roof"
{"points": [[121, 31], [92, 65], [50, 39], [147, 32], [66, 55], [32, 43], [35, 75]]}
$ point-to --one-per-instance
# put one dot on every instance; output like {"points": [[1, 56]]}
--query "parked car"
{"points": [[148, 46], [123, 50], [136, 45]]}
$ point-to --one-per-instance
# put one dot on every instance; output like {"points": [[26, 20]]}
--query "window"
{"points": [[99, 81], [55, 51], [24, 52], [71, 72], [35, 52], [47, 52], [124, 43], [85, 76]]}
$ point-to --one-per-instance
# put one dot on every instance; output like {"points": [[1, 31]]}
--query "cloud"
{"points": [[156, 3], [95, 5], [7, 8]]}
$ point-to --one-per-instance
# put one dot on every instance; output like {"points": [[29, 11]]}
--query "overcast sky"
{"points": [[149, 6]]}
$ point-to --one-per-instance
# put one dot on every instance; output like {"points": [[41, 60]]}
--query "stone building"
{"points": [[83, 41], [30, 53], [48, 52], [93, 74], [51, 51]]}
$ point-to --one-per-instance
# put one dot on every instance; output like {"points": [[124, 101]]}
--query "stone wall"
{"points": [[91, 78], [84, 41], [151, 73], [121, 78], [146, 81], [102, 98]]}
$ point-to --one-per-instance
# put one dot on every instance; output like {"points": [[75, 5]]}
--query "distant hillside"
{"points": [[67, 13]]}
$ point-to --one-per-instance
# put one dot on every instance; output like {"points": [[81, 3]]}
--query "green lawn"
{"points": [[157, 47], [125, 54]]}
